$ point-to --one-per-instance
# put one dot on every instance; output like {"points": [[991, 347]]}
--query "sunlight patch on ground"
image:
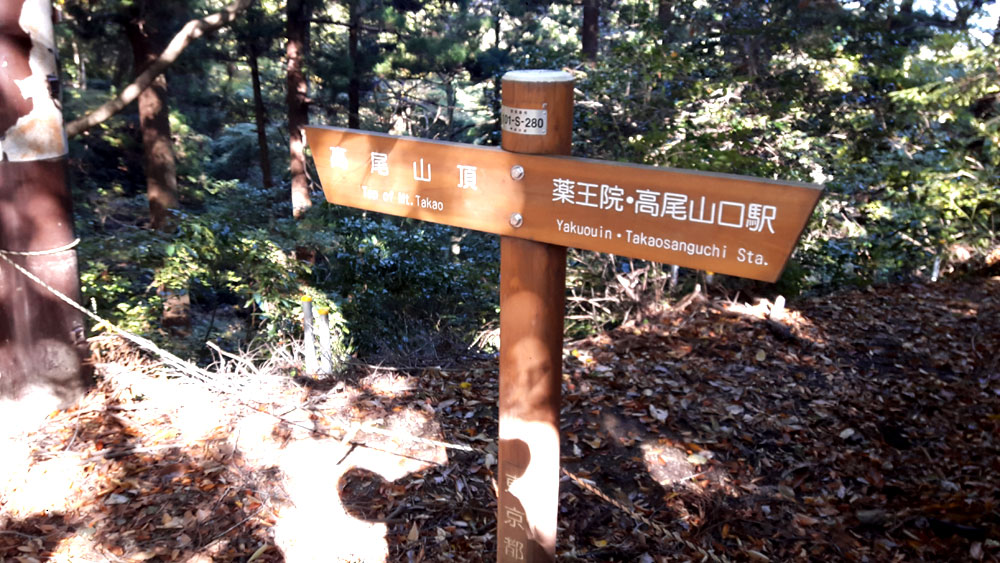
{"points": [[195, 413], [388, 384], [78, 548], [47, 486], [315, 526], [667, 465], [26, 489], [794, 320], [57, 467]]}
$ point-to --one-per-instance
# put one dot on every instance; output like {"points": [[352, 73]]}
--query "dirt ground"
{"points": [[862, 426]]}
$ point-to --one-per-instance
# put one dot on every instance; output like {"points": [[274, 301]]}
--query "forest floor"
{"points": [[860, 426]]}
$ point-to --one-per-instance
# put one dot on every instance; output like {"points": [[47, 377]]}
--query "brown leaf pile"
{"points": [[858, 426]]}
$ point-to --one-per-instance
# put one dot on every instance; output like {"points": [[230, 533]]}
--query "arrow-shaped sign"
{"points": [[722, 223]]}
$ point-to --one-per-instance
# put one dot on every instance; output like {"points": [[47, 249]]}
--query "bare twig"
{"points": [[236, 525], [241, 360]]}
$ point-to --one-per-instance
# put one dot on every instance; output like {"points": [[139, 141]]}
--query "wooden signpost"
{"points": [[540, 201]]}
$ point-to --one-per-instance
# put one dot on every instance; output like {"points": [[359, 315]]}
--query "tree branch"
{"points": [[192, 30], [328, 21]]}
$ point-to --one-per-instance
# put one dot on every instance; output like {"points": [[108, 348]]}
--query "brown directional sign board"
{"points": [[722, 223]]}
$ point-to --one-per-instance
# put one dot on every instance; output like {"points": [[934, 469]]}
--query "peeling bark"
{"points": [[42, 345]]}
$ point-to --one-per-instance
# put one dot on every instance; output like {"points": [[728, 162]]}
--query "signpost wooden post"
{"points": [[537, 117], [540, 201]]}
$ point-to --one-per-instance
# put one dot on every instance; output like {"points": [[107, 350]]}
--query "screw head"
{"points": [[517, 172], [516, 220]]}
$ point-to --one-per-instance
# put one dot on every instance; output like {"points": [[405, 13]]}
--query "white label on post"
{"points": [[524, 121]]}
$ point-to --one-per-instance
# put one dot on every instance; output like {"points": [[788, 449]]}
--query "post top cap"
{"points": [[538, 75]]}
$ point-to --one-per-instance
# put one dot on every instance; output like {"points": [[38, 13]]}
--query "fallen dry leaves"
{"points": [[859, 426]]}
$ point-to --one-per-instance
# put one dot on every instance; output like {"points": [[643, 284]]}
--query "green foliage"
{"points": [[390, 283], [398, 281], [897, 114], [897, 121], [213, 256], [231, 150], [955, 141]]}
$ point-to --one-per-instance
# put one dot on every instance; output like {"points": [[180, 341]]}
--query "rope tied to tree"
{"points": [[56, 250], [168, 358]]}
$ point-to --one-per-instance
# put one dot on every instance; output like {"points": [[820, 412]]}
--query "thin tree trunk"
{"points": [[154, 123], [591, 13], [42, 340], [81, 67], [120, 80], [298, 108], [665, 14], [497, 98], [354, 80], [451, 98], [260, 114]]}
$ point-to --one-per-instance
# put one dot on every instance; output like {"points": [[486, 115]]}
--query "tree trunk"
{"points": [[996, 33], [591, 13], [42, 344], [154, 124], [451, 98], [260, 114], [665, 14], [497, 98], [354, 80], [297, 12], [81, 67]]}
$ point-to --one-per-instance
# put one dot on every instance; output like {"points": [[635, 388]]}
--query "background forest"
{"points": [[200, 192]]}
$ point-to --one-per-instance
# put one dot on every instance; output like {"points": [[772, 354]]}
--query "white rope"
{"points": [[56, 250], [168, 358]]}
